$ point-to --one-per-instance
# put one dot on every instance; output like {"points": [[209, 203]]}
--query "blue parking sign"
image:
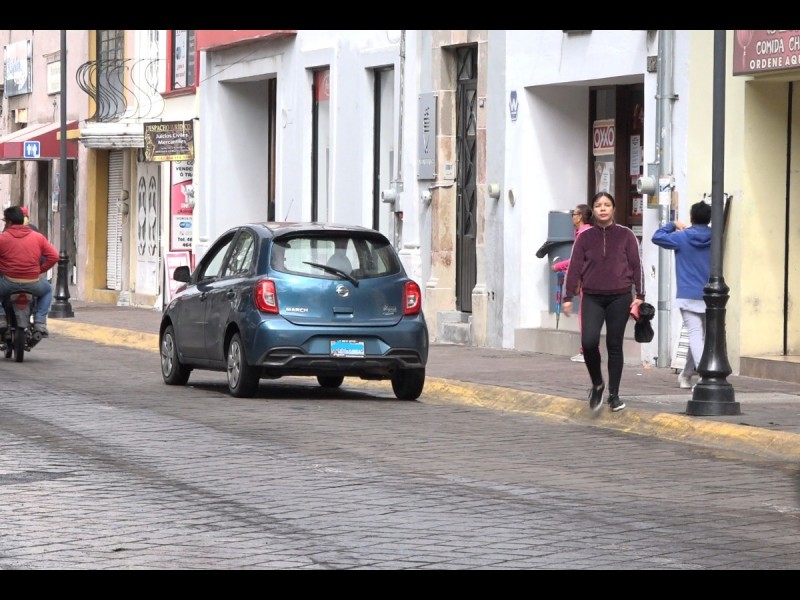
{"points": [[32, 150]]}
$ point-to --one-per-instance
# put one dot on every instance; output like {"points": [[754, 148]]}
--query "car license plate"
{"points": [[347, 348]]}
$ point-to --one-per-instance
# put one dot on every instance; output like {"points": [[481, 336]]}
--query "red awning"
{"points": [[12, 146]]}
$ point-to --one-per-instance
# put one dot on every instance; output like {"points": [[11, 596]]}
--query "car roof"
{"points": [[281, 228]]}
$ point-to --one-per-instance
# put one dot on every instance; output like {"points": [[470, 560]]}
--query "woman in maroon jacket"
{"points": [[606, 262]]}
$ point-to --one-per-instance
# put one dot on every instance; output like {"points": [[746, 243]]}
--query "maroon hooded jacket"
{"points": [[605, 260]]}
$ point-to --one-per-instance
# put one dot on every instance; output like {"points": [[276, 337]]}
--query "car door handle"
{"points": [[231, 294]]}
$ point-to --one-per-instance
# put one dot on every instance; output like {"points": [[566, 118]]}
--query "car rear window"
{"points": [[359, 257]]}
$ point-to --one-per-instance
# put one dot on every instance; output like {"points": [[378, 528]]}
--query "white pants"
{"points": [[695, 324]]}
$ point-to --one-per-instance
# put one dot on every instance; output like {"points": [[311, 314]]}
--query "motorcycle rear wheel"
{"points": [[19, 344]]}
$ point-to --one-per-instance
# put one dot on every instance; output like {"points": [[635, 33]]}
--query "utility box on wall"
{"points": [[560, 237]]}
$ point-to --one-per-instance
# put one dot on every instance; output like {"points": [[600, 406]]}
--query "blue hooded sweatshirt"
{"points": [[692, 257]]}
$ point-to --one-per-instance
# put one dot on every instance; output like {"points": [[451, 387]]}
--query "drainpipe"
{"points": [[664, 185], [392, 195], [398, 183]]}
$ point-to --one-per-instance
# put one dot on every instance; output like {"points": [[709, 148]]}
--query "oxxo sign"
{"points": [[603, 137]]}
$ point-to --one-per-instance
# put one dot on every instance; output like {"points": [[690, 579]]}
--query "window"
{"points": [[361, 257], [320, 146], [615, 150], [211, 265], [241, 256], [110, 74], [183, 59]]}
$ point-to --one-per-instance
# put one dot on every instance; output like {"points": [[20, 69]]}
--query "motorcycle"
{"points": [[20, 336]]}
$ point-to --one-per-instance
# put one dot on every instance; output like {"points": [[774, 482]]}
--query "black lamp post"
{"points": [[713, 395], [61, 307]]}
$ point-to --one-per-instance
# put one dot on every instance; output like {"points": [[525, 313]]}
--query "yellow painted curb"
{"points": [[111, 336]]}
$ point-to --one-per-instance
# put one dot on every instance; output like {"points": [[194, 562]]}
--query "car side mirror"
{"points": [[182, 274]]}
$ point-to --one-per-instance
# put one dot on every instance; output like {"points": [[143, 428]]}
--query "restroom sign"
{"points": [[603, 137], [32, 150]]}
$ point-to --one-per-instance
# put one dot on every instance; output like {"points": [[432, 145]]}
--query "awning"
{"points": [[13, 145]]}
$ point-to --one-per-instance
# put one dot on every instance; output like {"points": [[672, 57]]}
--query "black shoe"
{"points": [[615, 403], [596, 396]]}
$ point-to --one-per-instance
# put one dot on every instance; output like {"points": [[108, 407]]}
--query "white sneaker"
{"points": [[684, 382], [577, 358]]}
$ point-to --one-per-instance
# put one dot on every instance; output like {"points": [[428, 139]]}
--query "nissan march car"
{"points": [[272, 299]]}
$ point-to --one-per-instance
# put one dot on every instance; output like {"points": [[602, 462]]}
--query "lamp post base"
{"points": [[712, 399], [61, 308]]}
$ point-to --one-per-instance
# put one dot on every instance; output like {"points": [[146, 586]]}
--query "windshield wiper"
{"points": [[334, 271]]}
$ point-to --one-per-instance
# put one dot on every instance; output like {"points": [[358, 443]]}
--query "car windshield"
{"points": [[357, 257]]}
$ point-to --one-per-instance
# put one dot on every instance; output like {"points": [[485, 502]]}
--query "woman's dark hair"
{"points": [[599, 195], [585, 212], [700, 213]]}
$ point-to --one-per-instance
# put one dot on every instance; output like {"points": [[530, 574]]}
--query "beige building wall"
{"points": [[759, 240]]}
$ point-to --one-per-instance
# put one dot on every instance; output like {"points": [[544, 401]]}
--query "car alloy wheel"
{"points": [[173, 371], [242, 378]]}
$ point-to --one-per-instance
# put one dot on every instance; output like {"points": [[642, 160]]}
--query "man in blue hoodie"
{"points": [[692, 246]]}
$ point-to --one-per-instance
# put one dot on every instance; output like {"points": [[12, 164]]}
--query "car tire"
{"points": [[330, 381], [173, 371], [242, 378], [407, 384]]}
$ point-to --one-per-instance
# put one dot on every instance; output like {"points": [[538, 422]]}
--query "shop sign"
{"points": [[168, 140]]}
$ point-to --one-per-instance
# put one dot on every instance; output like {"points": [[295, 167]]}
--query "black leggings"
{"points": [[597, 309]]}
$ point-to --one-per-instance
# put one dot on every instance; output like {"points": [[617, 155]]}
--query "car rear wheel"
{"points": [[330, 381], [407, 384], [242, 378], [173, 371]]}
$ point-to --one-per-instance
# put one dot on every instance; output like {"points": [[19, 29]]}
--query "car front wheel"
{"points": [[173, 371], [242, 378], [407, 384]]}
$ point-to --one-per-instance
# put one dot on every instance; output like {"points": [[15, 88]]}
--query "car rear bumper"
{"points": [[281, 348], [292, 361]]}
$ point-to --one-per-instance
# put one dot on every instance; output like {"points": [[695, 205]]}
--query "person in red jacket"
{"points": [[24, 255], [606, 262]]}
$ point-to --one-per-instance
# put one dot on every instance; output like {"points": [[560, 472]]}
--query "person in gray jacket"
{"points": [[692, 246]]}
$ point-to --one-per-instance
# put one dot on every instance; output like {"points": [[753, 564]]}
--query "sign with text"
{"points": [[168, 140], [426, 137], [17, 67], [182, 205], [765, 50], [603, 137]]}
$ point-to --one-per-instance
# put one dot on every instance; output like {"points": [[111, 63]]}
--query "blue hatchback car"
{"points": [[274, 299]]}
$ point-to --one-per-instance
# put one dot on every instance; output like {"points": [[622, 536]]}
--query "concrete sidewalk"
{"points": [[535, 383]]}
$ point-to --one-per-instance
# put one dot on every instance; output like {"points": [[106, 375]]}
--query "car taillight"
{"points": [[412, 299], [265, 296]]}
